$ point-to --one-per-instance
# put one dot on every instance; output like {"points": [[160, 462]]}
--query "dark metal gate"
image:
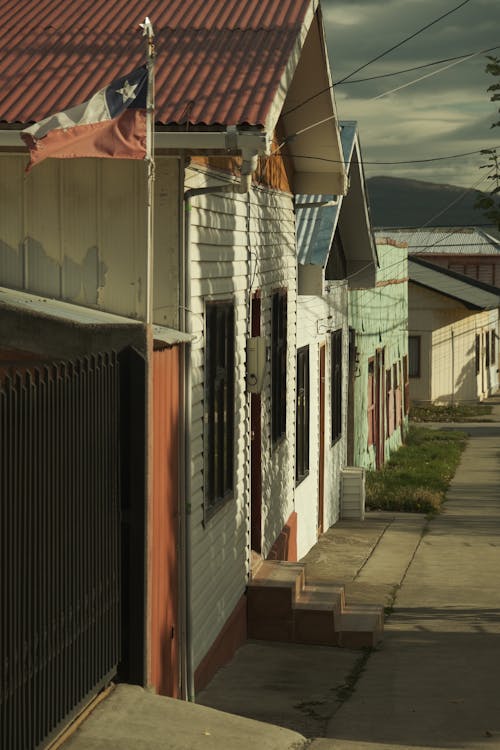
{"points": [[59, 543]]}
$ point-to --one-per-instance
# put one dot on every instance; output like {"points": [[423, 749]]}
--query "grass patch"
{"points": [[416, 477], [449, 413]]}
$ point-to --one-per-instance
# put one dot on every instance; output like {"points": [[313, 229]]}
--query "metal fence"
{"points": [[59, 543]]}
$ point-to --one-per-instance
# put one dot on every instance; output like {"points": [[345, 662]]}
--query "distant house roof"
{"points": [[448, 241], [218, 61], [316, 224], [473, 294]]}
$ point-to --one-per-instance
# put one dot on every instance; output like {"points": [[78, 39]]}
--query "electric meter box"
{"points": [[256, 363]]}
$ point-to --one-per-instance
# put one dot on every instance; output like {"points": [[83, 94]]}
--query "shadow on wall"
{"points": [[30, 268]]}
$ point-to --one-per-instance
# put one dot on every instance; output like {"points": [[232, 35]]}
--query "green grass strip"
{"points": [[416, 477]]}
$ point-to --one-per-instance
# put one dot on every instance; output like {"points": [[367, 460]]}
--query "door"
{"points": [[321, 483], [256, 446], [165, 523], [379, 408]]}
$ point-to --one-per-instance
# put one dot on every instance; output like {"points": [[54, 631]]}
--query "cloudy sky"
{"points": [[448, 113]]}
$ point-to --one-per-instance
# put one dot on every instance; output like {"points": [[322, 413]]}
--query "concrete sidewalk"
{"points": [[432, 683], [435, 681]]}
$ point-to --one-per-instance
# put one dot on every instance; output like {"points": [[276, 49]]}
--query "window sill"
{"points": [[210, 511], [301, 479]]}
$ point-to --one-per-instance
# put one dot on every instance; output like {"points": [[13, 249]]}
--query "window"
{"points": [[219, 402], [278, 364], [371, 401], [487, 347], [302, 432], [478, 353], [414, 356], [336, 367], [389, 403], [406, 382], [493, 356]]}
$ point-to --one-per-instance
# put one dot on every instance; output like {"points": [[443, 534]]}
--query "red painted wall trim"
{"points": [[285, 546], [231, 637]]}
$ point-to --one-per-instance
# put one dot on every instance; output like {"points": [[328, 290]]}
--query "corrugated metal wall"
{"points": [[75, 229], [165, 523]]}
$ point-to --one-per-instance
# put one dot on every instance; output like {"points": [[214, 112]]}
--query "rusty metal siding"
{"points": [[164, 572]]}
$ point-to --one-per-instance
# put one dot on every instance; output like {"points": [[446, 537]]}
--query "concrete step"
{"points": [[360, 626], [273, 590], [282, 606]]}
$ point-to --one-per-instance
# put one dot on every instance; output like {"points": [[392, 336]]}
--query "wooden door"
{"points": [[256, 446], [321, 484]]}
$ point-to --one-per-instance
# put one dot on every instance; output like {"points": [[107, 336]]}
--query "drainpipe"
{"points": [[250, 157]]}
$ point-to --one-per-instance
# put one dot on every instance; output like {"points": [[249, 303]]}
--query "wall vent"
{"points": [[352, 502]]}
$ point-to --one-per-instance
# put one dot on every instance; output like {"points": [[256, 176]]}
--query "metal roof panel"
{"points": [[474, 294], [446, 241], [217, 62]]}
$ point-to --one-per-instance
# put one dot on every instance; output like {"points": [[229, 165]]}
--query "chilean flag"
{"points": [[112, 124]]}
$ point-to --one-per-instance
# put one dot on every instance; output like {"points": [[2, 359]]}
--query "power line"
{"points": [[381, 163], [403, 41], [409, 70], [378, 57]]}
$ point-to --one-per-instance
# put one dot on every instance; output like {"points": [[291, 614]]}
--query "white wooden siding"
{"points": [[239, 243], [317, 317], [75, 229]]}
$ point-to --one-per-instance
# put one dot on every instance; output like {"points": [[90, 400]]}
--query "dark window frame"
{"points": [[218, 435], [303, 406], [487, 348], [279, 350], [414, 368], [336, 384], [477, 353], [493, 354]]}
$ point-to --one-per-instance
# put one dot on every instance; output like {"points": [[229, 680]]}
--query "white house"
{"points": [[209, 458], [452, 335], [335, 250]]}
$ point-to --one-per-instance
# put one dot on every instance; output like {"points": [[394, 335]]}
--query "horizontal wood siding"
{"points": [[379, 317], [75, 229], [238, 243], [316, 318]]}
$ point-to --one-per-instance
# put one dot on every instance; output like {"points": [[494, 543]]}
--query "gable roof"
{"points": [[316, 224], [472, 293], [448, 241], [218, 62]]}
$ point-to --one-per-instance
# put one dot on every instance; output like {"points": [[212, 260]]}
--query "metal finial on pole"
{"points": [[147, 31]]}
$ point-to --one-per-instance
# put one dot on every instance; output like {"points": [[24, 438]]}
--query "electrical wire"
{"points": [[378, 57], [427, 75], [409, 70], [403, 41], [386, 163]]}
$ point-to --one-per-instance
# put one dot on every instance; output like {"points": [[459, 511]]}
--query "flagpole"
{"points": [[148, 32]]}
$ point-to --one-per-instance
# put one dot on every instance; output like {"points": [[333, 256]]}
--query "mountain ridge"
{"points": [[400, 202]]}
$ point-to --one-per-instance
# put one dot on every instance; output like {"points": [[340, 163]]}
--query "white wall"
{"points": [[75, 229], [317, 317], [239, 243], [448, 331]]}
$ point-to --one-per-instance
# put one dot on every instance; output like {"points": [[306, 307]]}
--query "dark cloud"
{"points": [[447, 112]]}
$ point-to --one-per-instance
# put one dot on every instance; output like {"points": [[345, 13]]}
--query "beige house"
{"points": [[452, 335]]}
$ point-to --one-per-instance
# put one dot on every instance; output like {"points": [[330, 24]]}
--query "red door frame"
{"points": [[256, 445]]}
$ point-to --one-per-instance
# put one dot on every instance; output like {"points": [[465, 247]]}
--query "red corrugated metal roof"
{"points": [[219, 61]]}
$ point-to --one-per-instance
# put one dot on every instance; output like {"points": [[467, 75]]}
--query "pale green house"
{"points": [[378, 399]]}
